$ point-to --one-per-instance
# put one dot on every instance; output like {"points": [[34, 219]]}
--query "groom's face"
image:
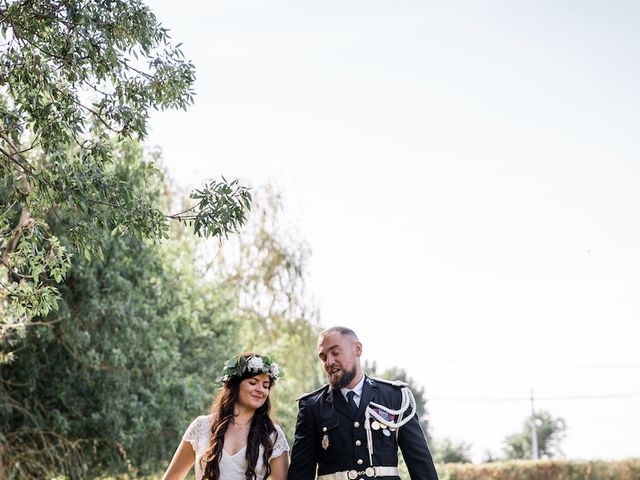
{"points": [[340, 357]]}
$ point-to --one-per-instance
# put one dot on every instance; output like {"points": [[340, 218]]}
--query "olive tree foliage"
{"points": [[267, 264], [446, 450], [77, 77], [127, 360], [550, 433]]}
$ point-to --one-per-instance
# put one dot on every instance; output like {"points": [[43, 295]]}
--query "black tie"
{"points": [[352, 404]]}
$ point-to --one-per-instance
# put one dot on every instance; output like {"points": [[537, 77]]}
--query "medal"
{"points": [[386, 432], [375, 425], [325, 441]]}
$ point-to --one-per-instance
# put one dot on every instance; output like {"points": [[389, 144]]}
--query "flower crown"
{"points": [[239, 365]]}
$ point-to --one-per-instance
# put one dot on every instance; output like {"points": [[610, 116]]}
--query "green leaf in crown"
{"points": [[239, 365]]}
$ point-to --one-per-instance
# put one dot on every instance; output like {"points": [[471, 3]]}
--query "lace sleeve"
{"points": [[197, 433], [280, 444], [191, 435]]}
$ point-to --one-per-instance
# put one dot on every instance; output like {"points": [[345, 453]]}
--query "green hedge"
{"points": [[543, 470]]}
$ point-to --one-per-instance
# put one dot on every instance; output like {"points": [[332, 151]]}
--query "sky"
{"points": [[465, 174]]}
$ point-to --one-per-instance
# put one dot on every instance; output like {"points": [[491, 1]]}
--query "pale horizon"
{"points": [[466, 177]]}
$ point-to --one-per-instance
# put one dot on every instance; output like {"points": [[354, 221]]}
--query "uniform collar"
{"points": [[336, 398], [357, 389]]}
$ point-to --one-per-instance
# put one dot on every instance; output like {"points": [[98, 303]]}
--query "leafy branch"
{"points": [[220, 209]]}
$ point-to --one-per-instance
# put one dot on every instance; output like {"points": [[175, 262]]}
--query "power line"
{"points": [[507, 364], [528, 399]]}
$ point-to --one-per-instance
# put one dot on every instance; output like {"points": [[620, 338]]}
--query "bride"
{"points": [[237, 440]]}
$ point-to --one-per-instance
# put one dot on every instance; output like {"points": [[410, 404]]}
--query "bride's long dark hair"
{"points": [[260, 432]]}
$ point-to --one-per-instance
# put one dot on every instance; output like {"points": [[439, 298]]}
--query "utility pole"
{"points": [[534, 432]]}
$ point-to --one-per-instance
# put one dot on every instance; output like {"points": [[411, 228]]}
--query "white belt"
{"points": [[369, 472]]}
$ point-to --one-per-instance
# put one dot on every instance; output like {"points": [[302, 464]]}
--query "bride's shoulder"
{"points": [[202, 422], [198, 432], [279, 440], [204, 419], [279, 431]]}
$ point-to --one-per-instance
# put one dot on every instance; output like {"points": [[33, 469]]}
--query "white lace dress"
{"points": [[232, 467]]}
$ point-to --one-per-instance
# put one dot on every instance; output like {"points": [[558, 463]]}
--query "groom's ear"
{"points": [[358, 348]]}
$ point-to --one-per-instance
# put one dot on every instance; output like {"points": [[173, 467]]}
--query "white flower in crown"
{"points": [[255, 363], [275, 370]]}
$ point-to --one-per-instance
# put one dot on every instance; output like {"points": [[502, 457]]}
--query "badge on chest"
{"points": [[324, 443]]}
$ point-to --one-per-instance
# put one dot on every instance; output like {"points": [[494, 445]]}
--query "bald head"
{"points": [[344, 331], [339, 351]]}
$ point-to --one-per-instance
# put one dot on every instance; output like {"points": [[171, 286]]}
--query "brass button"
{"points": [[324, 429], [358, 443], [360, 461], [356, 424]]}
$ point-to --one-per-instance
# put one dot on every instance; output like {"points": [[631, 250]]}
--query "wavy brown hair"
{"points": [[260, 431]]}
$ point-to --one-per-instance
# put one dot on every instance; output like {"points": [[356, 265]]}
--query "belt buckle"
{"points": [[352, 474], [370, 472]]}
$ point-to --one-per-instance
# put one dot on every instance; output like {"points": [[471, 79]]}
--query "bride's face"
{"points": [[254, 391]]}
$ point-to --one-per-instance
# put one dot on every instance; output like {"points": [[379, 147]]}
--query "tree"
{"points": [[449, 451], [126, 361], [489, 457], [76, 78], [550, 433], [267, 264]]}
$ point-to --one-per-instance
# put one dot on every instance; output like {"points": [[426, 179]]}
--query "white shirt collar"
{"points": [[357, 389]]}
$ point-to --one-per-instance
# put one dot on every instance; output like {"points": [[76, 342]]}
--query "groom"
{"points": [[351, 428]]}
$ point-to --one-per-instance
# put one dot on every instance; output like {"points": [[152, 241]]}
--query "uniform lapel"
{"points": [[338, 400], [369, 391]]}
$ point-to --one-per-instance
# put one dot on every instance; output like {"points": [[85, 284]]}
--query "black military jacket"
{"points": [[330, 439]]}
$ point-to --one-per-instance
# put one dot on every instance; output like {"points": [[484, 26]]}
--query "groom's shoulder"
{"points": [[395, 383], [315, 393], [390, 392]]}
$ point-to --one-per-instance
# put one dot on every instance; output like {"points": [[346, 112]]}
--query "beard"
{"points": [[344, 379]]}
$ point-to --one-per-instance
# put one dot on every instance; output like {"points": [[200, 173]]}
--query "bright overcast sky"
{"points": [[466, 176]]}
